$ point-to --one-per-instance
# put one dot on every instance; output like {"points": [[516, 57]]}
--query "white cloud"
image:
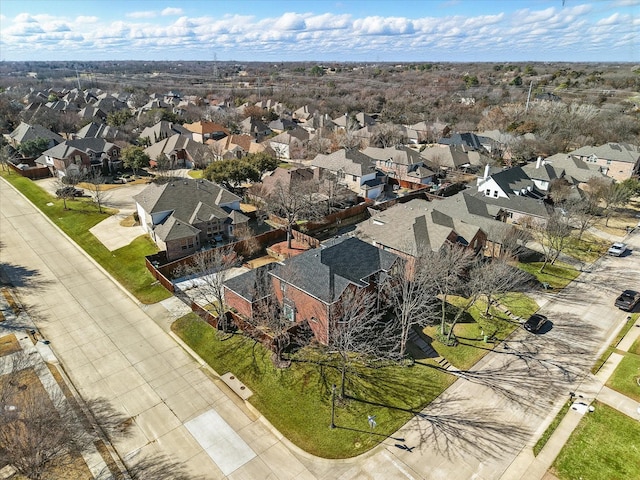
{"points": [[290, 21], [87, 19], [141, 14], [171, 11]]}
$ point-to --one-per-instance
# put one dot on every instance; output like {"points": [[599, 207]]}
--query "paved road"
{"points": [[112, 348]]}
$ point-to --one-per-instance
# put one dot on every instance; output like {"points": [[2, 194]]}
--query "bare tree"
{"points": [[582, 214], [356, 332], [95, 184], [6, 156], [318, 145], [294, 204], [209, 270], [387, 135], [552, 236], [493, 278], [448, 266], [610, 195], [64, 190], [42, 433], [508, 240], [411, 293]]}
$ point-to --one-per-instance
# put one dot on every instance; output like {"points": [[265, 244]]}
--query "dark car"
{"points": [[628, 300], [69, 192], [535, 322]]}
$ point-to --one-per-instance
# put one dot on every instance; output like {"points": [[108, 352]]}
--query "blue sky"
{"points": [[323, 31]]}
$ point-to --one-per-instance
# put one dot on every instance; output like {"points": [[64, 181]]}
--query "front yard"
{"points": [[604, 446], [127, 264]]}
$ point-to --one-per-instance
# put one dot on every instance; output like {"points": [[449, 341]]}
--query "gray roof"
{"points": [[543, 172], [174, 229], [619, 152], [249, 284], [351, 162], [515, 203], [25, 132], [417, 223], [326, 272], [163, 129], [401, 155], [187, 198], [87, 145], [513, 180], [575, 170]]}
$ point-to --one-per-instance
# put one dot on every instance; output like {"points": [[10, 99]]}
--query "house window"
{"points": [[289, 312], [487, 193], [78, 160], [608, 162], [187, 243], [495, 193], [354, 178]]}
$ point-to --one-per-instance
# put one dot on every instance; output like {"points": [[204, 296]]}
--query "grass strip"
{"points": [[550, 429]]}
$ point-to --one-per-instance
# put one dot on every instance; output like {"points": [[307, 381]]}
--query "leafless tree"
{"points": [[95, 184], [387, 135], [552, 236], [300, 202], [209, 270], [318, 145], [42, 433], [356, 332], [609, 194], [582, 214], [448, 265], [412, 295], [509, 240], [64, 190]]}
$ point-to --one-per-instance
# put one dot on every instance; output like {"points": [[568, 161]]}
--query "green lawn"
{"points": [[626, 377], [469, 332], [604, 446], [558, 275], [297, 400], [588, 249], [127, 264], [196, 173]]}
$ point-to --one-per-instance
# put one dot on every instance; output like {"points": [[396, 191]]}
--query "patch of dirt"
{"points": [[129, 221], [9, 344], [11, 301]]}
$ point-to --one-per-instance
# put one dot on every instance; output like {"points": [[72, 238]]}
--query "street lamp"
{"points": [[333, 406]]}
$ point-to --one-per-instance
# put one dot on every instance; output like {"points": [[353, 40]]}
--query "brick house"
{"points": [[619, 161], [309, 287]]}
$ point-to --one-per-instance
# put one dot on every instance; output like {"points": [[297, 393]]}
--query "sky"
{"points": [[321, 30]]}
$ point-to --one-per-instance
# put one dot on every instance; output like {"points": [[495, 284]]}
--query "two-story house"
{"points": [[353, 169], [309, 287], [403, 166], [185, 215], [81, 156], [619, 161]]}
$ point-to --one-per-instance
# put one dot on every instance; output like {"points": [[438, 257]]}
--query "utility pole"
{"points": [[333, 406]]}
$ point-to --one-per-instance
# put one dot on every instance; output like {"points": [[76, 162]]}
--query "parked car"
{"points": [[617, 249], [69, 191], [628, 300], [535, 322]]}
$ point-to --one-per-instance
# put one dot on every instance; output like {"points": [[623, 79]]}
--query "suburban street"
{"points": [[112, 347]]}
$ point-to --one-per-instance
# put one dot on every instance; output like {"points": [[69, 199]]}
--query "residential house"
{"points": [[403, 165], [310, 287], [98, 130], [25, 132], [409, 228], [289, 144], [451, 157], [355, 170], [186, 215], [80, 156], [470, 141], [281, 125], [90, 112], [238, 146], [162, 130], [202, 131], [513, 195], [255, 128], [574, 170], [619, 161], [358, 121], [181, 152]]}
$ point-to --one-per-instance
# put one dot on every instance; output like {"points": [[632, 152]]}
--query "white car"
{"points": [[617, 249]]}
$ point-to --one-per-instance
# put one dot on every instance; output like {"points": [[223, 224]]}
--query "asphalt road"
{"points": [[112, 348]]}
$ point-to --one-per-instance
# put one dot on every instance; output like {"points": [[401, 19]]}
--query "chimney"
{"points": [[539, 162], [486, 171]]}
